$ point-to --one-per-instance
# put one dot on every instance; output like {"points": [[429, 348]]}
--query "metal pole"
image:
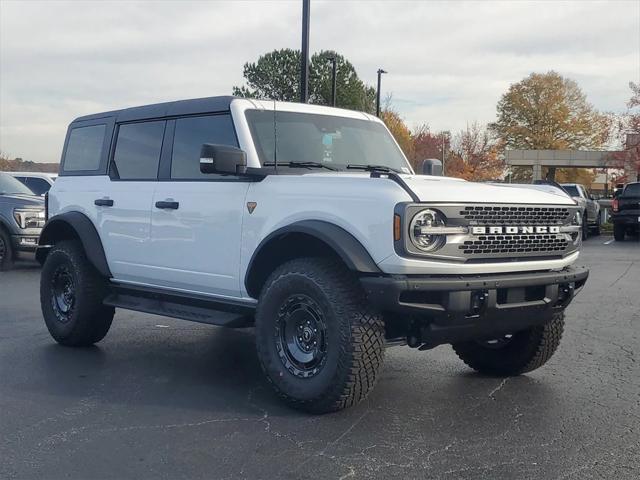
{"points": [[445, 134], [380, 72], [333, 81], [304, 75]]}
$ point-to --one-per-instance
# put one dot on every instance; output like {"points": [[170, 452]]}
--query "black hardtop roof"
{"points": [[167, 109]]}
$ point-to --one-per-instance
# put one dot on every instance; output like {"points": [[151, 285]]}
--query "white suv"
{"points": [[308, 223]]}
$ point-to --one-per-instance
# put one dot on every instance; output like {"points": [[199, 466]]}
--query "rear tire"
{"points": [[523, 352], [618, 232], [319, 343], [6, 251], [71, 295]]}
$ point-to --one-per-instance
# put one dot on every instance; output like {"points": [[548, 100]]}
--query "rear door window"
{"points": [[84, 148], [137, 152], [190, 134]]}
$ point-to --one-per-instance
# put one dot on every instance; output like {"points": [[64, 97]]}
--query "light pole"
{"points": [[380, 72], [304, 75], [445, 135], [334, 76]]}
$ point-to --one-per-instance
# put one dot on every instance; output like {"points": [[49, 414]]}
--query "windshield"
{"points": [[632, 190], [9, 185], [330, 141], [571, 190]]}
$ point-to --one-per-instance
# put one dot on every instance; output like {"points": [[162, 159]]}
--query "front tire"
{"points": [[523, 352], [319, 343], [71, 295], [585, 227], [6, 251]]}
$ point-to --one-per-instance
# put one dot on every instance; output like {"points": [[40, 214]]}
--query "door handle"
{"points": [[170, 205], [103, 202]]}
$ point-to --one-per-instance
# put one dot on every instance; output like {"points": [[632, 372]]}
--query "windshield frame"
{"points": [[321, 111], [22, 189]]}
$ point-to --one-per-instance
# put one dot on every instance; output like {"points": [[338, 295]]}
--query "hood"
{"points": [[445, 189], [21, 200]]}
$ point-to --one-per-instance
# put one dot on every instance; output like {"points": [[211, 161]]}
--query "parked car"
{"points": [[626, 212], [308, 223], [22, 217], [590, 206], [39, 183]]}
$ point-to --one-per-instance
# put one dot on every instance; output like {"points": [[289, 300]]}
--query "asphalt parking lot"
{"points": [[162, 398]]}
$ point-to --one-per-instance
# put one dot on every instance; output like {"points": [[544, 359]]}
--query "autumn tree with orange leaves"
{"points": [[475, 155]]}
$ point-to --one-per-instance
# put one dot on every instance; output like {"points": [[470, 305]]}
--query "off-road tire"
{"points": [[6, 251], [354, 332], [618, 232], [87, 320], [526, 351], [585, 227]]}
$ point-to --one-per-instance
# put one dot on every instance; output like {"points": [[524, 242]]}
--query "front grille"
{"points": [[515, 215], [518, 244]]}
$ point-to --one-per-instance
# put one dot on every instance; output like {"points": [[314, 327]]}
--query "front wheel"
{"points": [[318, 342], [71, 294], [585, 227], [618, 232], [6, 252], [516, 353]]}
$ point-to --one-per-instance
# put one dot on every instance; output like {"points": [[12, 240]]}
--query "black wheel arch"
{"points": [[74, 225], [305, 238]]}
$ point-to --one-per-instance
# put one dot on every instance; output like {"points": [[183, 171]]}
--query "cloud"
{"points": [[448, 62]]}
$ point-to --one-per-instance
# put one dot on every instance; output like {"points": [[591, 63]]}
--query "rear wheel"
{"points": [[618, 232], [6, 251], [319, 343], [71, 294], [515, 353]]}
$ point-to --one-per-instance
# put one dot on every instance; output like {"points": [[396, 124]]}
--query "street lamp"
{"points": [[334, 77], [445, 135], [380, 72], [304, 74]]}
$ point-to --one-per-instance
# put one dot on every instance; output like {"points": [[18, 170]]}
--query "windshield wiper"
{"points": [[372, 168], [299, 165]]}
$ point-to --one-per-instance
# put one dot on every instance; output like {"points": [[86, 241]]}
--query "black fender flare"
{"points": [[60, 226], [354, 255]]}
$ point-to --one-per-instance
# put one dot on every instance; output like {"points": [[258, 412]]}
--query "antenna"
{"points": [[275, 139]]}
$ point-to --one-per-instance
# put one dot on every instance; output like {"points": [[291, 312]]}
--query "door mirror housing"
{"points": [[430, 166], [222, 159]]}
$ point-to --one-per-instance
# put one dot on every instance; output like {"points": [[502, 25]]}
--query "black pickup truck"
{"points": [[626, 212]]}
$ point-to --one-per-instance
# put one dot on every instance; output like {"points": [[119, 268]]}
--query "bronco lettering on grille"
{"points": [[513, 230]]}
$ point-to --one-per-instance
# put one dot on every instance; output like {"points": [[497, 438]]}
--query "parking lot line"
{"points": [[609, 241]]}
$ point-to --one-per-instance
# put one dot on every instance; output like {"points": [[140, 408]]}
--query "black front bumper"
{"points": [[461, 307]]}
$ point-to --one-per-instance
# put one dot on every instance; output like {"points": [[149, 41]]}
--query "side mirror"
{"points": [[223, 159], [430, 166]]}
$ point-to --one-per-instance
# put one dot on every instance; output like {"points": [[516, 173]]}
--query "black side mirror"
{"points": [[430, 166], [223, 159]]}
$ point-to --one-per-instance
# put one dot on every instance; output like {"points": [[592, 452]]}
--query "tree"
{"points": [[628, 160], [276, 75], [429, 145], [546, 111], [475, 155], [399, 130]]}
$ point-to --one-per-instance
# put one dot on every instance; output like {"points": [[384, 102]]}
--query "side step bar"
{"points": [[196, 308]]}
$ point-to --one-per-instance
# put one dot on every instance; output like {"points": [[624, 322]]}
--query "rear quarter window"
{"points": [[84, 149]]}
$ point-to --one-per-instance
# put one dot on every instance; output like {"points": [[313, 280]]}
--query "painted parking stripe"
{"points": [[607, 243]]}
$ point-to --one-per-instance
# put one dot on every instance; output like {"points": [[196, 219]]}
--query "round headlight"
{"points": [[424, 241]]}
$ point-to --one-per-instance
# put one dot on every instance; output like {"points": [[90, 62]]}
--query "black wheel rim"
{"points": [[497, 343], [63, 293], [301, 336]]}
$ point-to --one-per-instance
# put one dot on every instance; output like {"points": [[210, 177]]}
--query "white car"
{"points": [[39, 183], [308, 223]]}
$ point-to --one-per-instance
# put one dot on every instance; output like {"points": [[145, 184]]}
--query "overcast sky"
{"points": [[448, 62]]}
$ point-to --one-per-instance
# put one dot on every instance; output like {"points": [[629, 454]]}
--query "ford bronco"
{"points": [[309, 224]]}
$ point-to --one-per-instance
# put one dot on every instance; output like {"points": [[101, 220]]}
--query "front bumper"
{"points": [[463, 307], [25, 243]]}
